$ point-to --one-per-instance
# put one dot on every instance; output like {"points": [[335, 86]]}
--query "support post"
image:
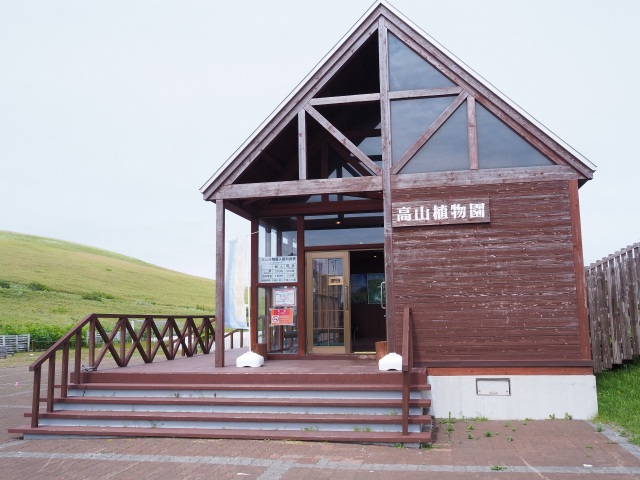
{"points": [[386, 183], [220, 252]]}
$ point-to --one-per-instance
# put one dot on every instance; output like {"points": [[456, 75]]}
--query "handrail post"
{"points": [[78, 356], [407, 366], [92, 342], [147, 330], [64, 371], [35, 401], [123, 338], [51, 381]]}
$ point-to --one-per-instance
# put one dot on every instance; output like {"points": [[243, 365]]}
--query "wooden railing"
{"points": [[172, 334], [407, 366]]}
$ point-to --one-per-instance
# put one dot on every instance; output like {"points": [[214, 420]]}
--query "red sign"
{"points": [[281, 316]]}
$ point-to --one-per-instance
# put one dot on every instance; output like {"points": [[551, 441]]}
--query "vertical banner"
{"points": [[236, 288]]}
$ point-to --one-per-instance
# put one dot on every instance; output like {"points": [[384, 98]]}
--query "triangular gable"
{"points": [[445, 97]]}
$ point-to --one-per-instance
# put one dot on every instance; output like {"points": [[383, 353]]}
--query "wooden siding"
{"points": [[504, 290]]}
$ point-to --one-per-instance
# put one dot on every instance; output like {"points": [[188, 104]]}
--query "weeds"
{"points": [[38, 287], [97, 296], [448, 425]]}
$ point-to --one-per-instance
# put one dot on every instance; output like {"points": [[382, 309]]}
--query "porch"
{"points": [[326, 399]]}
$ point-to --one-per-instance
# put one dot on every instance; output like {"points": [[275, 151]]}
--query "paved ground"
{"points": [[549, 449]]}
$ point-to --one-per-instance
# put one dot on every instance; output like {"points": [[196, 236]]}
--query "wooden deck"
{"points": [[201, 370], [320, 398]]}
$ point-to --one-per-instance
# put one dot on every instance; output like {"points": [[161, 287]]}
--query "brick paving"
{"points": [[549, 449]]}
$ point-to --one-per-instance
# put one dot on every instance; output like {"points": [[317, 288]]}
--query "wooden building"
{"points": [[395, 177]]}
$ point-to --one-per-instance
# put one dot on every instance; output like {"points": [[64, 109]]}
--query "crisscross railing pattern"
{"points": [[171, 338], [177, 335]]}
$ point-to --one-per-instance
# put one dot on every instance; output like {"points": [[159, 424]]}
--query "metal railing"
{"points": [[178, 335]]}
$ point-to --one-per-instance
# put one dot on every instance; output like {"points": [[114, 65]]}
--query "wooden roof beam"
{"points": [[299, 188], [320, 208], [343, 140], [361, 98]]}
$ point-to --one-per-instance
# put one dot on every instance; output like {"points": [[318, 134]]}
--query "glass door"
{"points": [[328, 313]]}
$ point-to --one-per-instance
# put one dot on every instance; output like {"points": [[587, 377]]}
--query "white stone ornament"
{"points": [[250, 359], [391, 361]]}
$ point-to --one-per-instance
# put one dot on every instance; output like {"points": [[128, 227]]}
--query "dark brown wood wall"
{"points": [[493, 292]]}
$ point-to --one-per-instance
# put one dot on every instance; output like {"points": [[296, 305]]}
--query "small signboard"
{"points": [[278, 269], [493, 386], [284, 297], [281, 316], [440, 212]]}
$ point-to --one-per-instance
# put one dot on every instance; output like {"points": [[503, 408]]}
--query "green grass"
{"points": [[619, 399], [52, 282]]}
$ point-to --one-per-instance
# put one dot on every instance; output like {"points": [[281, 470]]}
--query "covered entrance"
{"points": [[345, 298]]}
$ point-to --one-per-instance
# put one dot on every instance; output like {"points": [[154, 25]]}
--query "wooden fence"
{"points": [[613, 298], [16, 343]]}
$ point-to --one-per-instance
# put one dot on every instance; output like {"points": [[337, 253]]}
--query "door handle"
{"points": [[346, 297], [383, 302]]}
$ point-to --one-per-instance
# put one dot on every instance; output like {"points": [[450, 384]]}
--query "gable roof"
{"points": [[383, 15]]}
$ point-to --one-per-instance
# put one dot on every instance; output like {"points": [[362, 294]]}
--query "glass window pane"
{"points": [[277, 236], [345, 236], [351, 229], [447, 150], [501, 147], [409, 71], [360, 74], [410, 119]]}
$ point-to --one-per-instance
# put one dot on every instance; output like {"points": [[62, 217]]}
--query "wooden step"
{"points": [[302, 435], [248, 386], [236, 417], [279, 402], [253, 376]]}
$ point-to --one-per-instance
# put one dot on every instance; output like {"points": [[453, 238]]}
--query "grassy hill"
{"points": [[53, 282]]}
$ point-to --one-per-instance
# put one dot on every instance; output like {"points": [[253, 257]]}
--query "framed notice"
{"points": [[281, 316], [284, 297], [278, 269]]}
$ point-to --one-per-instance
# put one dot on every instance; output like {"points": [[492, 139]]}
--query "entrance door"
{"points": [[328, 312]]}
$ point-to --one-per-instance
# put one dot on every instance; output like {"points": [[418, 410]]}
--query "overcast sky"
{"points": [[114, 113]]}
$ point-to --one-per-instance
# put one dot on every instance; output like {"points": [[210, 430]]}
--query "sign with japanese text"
{"points": [[281, 316], [278, 269], [418, 213], [284, 297]]}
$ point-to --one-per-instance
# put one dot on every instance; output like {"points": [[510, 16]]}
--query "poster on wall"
{"points": [[281, 316], [284, 297]]}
